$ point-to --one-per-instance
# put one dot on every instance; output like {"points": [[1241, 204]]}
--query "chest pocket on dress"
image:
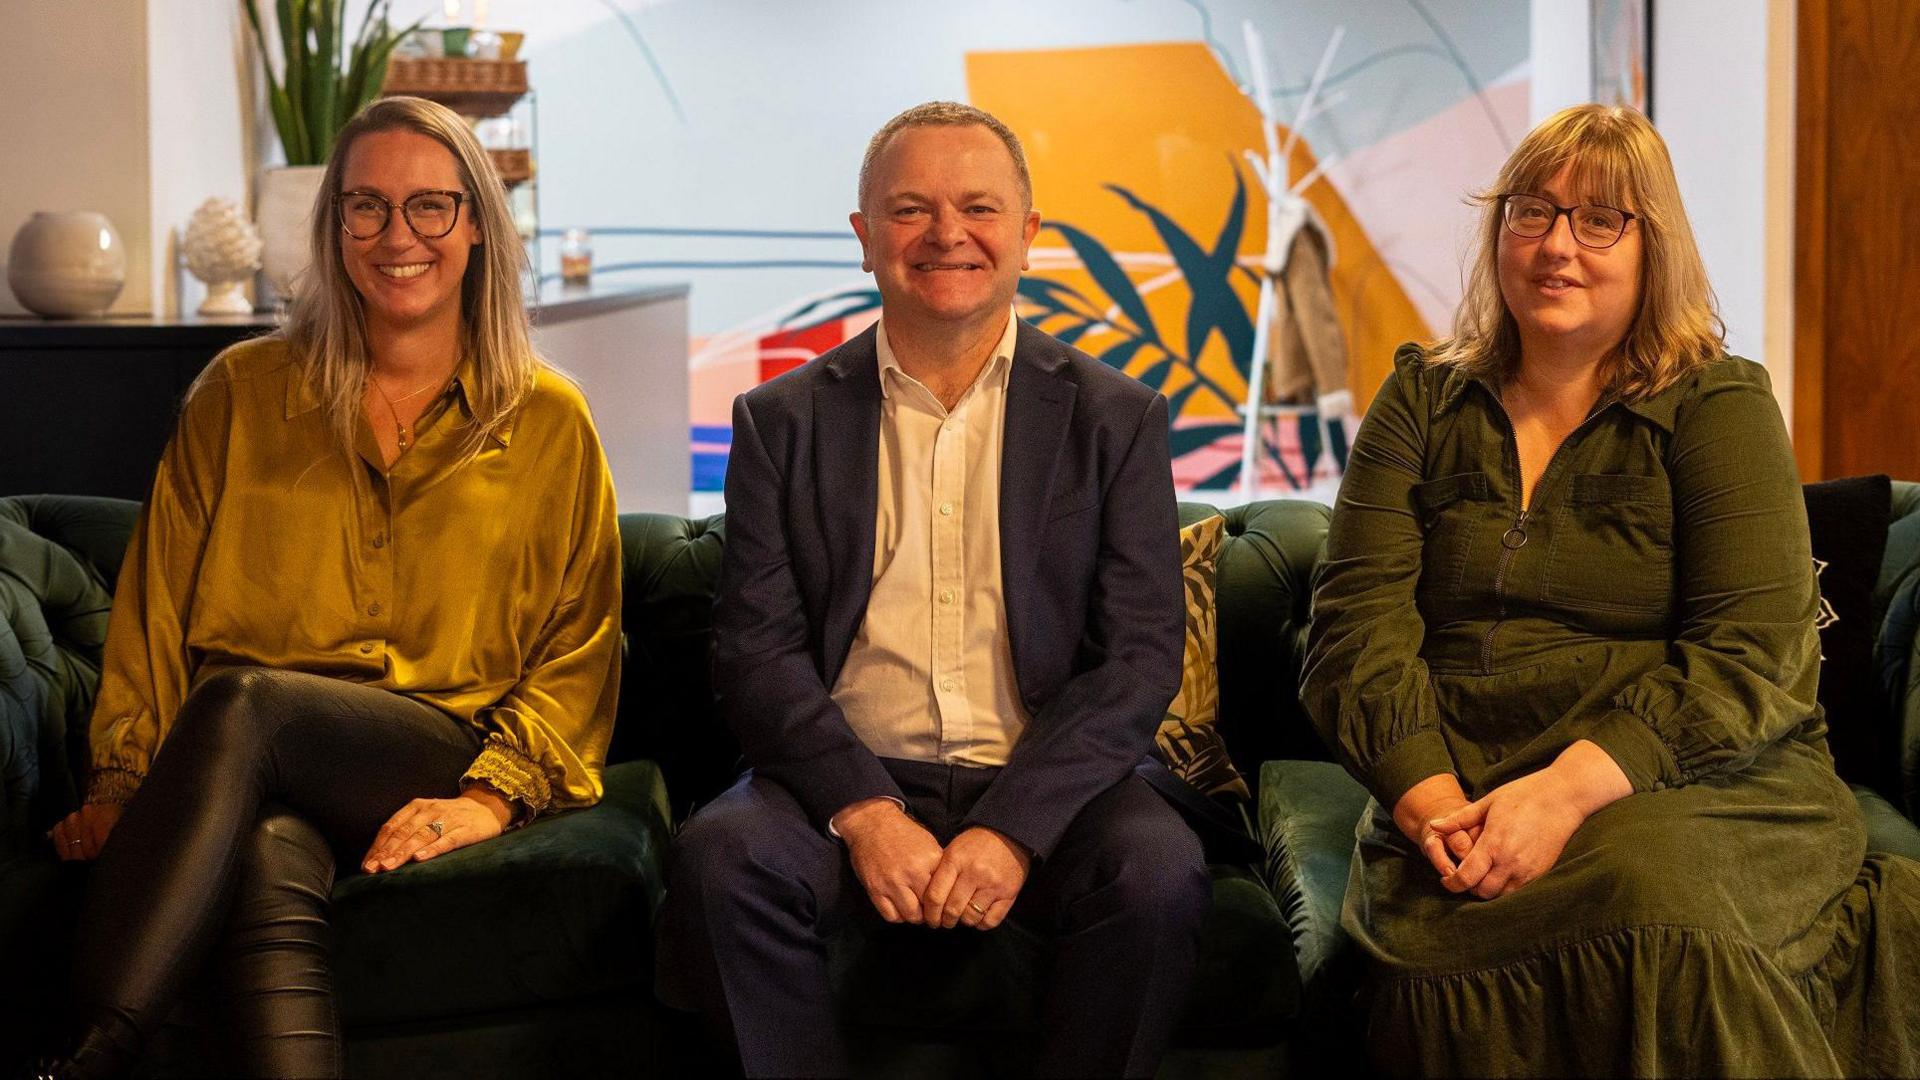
{"points": [[1613, 544], [1449, 510]]}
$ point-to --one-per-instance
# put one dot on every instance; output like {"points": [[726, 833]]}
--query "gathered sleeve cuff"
{"points": [[112, 785], [1640, 753], [1417, 757], [518, 778]]}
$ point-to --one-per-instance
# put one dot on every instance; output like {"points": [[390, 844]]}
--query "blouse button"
{"points": [[947, 685], [946, 509], [379, 540], [367, 649], [374, 608]]}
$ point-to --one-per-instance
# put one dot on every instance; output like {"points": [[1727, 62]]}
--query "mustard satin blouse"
{"points": [[488, 587]]}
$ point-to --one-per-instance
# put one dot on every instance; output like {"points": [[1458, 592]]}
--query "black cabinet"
{"points": [[87, 406]]}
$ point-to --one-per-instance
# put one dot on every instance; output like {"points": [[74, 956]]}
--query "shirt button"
{"points": [[367, 649], [946, 596], [374, 608], [379, 540], [947, 685], [946, 509]]}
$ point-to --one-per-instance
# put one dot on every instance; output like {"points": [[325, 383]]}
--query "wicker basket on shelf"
{"points": [[515, 166], [468, 87]]}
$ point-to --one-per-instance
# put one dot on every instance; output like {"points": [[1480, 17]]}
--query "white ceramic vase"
{"points": [[282, 214], [67, 263]]}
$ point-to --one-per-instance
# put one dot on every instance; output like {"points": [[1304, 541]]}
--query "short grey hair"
{"points": [[946, 114]]}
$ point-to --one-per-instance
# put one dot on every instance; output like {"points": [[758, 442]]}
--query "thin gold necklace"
{"points": [[402, 432]]}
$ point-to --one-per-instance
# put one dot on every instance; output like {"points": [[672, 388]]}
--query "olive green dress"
{"points": [[1657, 598]]}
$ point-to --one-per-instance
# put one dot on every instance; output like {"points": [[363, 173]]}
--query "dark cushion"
{"points": [[560, 909], [1245, 986], [1848, 522]]}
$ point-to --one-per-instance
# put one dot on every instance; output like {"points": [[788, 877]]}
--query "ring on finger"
{"points": [[439, 828], [976, 908]]}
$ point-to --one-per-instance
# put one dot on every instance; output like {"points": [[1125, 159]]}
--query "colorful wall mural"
{"points": [[716, 141]]}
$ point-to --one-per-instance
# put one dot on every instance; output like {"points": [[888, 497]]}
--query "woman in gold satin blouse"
{"points": [[369, 610]]}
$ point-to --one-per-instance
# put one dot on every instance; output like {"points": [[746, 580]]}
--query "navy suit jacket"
{"points": [[1090, 567]]}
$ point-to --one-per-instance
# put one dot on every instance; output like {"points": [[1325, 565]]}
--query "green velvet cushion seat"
{"points": [[1307, 813], [1887, 829], [560, 909]]}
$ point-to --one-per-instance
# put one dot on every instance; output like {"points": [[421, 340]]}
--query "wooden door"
{"points": [[1857, 239]]}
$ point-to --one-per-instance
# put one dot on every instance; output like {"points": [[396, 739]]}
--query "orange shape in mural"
{"points": [[1166, 124]]}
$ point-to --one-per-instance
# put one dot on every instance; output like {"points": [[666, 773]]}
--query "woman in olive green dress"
{"points": [[1564, 633]]}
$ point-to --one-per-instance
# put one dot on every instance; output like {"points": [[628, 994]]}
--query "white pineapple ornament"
{"points": [[223, 250]]}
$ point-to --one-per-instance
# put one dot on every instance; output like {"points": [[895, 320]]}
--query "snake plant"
{"points": [[324, 79]]}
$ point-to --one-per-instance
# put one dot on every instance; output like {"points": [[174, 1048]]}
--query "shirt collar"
{"points": [[465, 376], [999, 367], [1657, 410], [301, 398]]}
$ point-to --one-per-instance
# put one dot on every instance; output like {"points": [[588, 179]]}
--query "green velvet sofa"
{"points": [[532, 955]]}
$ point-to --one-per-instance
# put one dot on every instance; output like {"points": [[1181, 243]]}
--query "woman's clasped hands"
{"points": [[1516, 832]]}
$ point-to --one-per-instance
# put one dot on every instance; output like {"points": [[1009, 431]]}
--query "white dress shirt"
{"points": [[930, 674]]}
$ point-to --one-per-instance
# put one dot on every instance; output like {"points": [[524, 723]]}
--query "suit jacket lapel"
{"points": [[846, 450], [1039, 407]]}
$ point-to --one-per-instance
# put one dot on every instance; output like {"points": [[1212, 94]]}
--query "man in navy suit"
{"points": [[950, 618]]}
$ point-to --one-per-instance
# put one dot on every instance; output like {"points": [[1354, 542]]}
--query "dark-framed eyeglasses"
{"points": [[1594, 226], [430, 214]]}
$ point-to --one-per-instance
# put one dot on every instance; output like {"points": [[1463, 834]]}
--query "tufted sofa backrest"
{"points": [[59, 557]]}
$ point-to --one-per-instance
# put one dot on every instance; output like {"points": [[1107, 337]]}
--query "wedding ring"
{"points": [[439, 828], [978, 910]]}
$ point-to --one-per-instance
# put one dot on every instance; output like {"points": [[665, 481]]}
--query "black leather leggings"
{"points": [[223, 862]]}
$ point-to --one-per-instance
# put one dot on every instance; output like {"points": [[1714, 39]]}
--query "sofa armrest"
{"points": [[1888, 830], [1308, 810]]}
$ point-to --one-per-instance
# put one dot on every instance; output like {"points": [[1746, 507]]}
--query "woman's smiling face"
{"points": [[405, 278], [1563, 294]]}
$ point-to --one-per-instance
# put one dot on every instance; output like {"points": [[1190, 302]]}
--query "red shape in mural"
{"points": [[788, 349]]}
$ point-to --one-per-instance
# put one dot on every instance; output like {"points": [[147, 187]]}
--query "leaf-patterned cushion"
{"points": [[1188, 738]]}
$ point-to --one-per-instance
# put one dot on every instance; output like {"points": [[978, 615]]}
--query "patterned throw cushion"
{"points": [[1188, 739]]}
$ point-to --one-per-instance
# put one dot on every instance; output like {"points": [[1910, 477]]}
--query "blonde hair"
{"points": [[1615, 157], [326, 322], [946, 114]]}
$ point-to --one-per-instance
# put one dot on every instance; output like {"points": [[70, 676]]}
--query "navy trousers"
{"points": [[755, 892]]}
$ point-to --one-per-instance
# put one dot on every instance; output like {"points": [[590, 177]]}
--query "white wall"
{"points": [[1722, 94], [200, 122], [1560, 60], [75, 130]]}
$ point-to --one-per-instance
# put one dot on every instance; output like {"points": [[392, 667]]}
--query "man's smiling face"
{"points": [[944, 226]]}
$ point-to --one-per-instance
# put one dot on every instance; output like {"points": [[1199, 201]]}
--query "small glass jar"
{"points": [[576, 257]]}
